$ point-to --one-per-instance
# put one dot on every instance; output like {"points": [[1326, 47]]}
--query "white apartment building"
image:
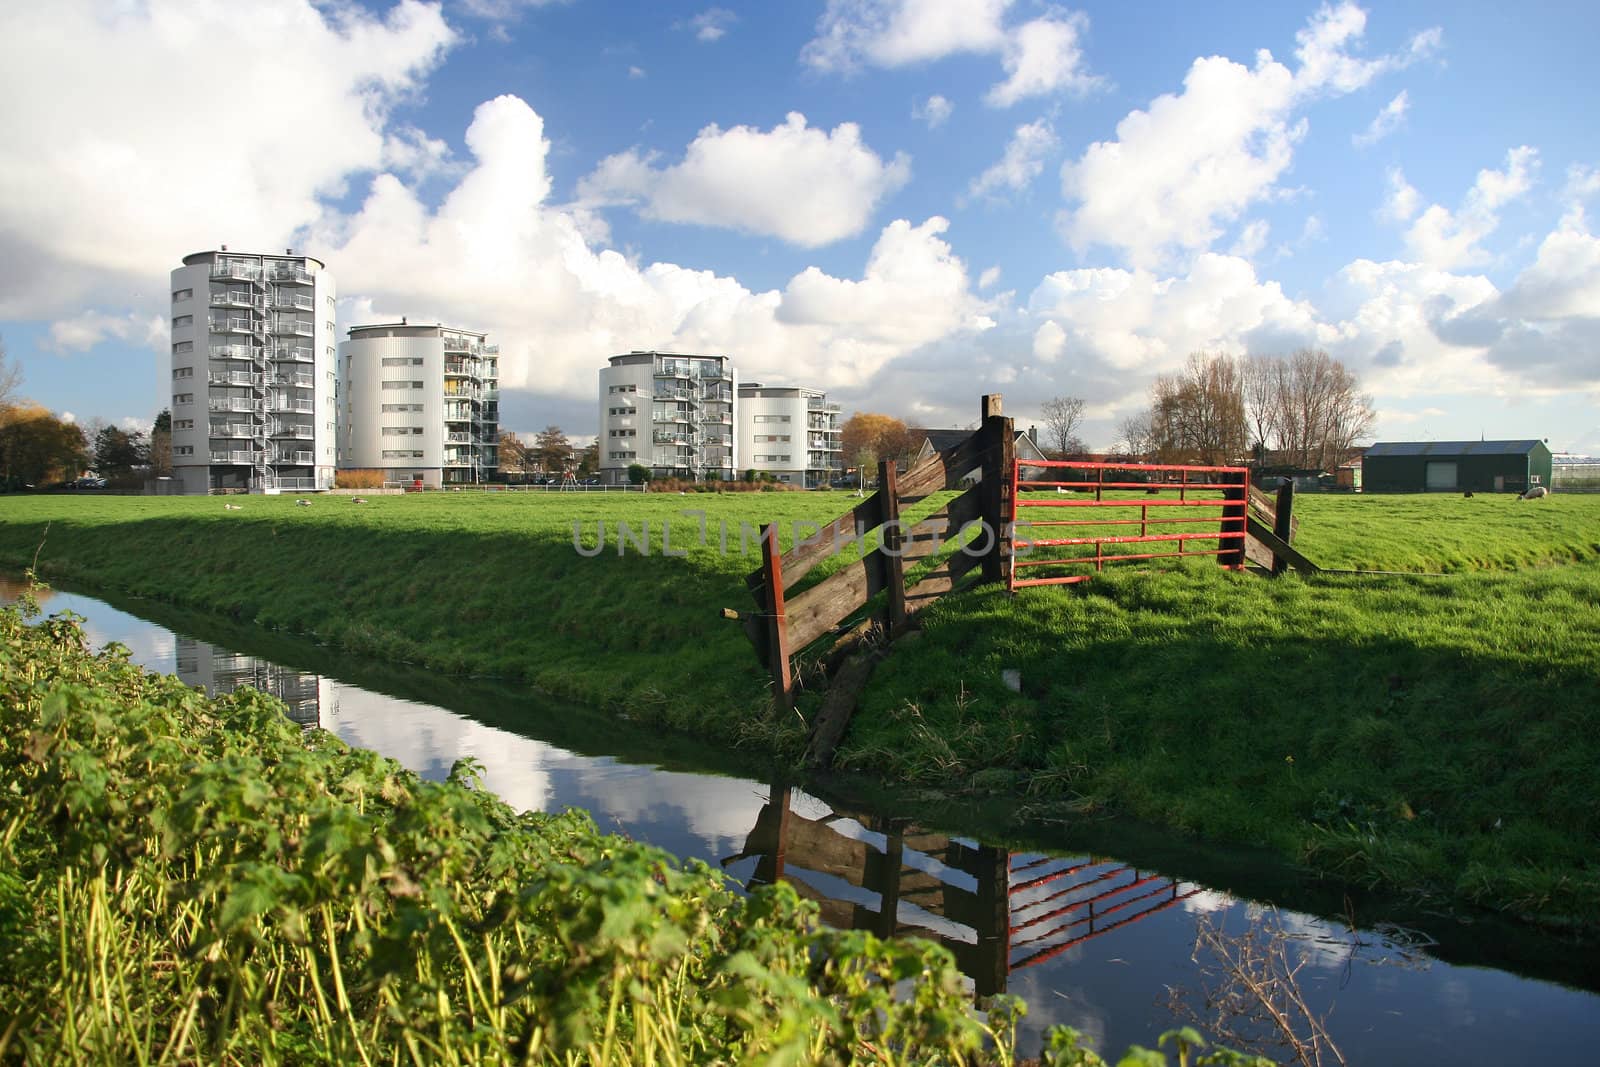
{"points": [[252, 373], [671, 413], [791, 432], [421, 402]]}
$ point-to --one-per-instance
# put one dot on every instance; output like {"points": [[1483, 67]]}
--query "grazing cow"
{"points": [[1467, 494], [1535, 492], [231, 507]]}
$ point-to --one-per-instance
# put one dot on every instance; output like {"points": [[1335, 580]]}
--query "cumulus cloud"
{"points": [[1401, 200], [1191, 163], [1384, 122], [712, 24], [1022, 162], [805, 185], [933, 111], [88, 329], [1445, 239], [1043, 56], [1040, 56], [496, 255], [501, 10], [93, 180]]}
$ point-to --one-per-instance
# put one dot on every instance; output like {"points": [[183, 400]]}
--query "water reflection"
{"points": [[221, 671], [1084, 939], [997, 911]]}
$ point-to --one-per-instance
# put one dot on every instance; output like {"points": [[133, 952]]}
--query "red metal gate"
{"points": [[1217, 497]]}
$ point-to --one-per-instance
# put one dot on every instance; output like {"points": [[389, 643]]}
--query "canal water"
{"points": [[1116, 942]]}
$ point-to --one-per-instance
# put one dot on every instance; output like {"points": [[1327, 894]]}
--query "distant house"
{"points": [[1455, 466], [939, 440]]}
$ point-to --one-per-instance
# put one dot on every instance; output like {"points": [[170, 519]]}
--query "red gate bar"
{"points": [[1056, 950], [1230, 503]]}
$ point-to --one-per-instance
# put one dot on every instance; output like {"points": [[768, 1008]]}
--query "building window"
{"points": [[402, 361], [181, 347], [182, 372], [402, 385], [389, 408], [179, 321], [183, 398], [183, 424], [179, 295], [401, 453], [401, 431], [183, 450], [624, 455], [624, 433], [772, 418], [624, 411], [624, 389]]}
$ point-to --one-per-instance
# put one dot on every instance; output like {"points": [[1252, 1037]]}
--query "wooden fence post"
{"points": [[1283, 522], [894, 576], [777, 623], [999, 460]]}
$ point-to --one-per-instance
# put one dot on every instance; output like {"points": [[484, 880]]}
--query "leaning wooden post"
{"points": [[999, 465], [777, 622], [1283, 522], [892, 549]]}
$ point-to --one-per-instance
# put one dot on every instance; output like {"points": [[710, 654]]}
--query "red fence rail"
{"points": [[1221, 493]]}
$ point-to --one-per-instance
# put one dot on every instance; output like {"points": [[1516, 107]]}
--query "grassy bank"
{"points": [[1432, 734], [186, 879]]}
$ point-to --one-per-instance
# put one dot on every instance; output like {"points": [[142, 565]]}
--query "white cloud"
{"points": [[635, 72], [88, 329], [807, 186], [1401, 201], [1049, 341], [1039, 56], [1042, 57], [411, 151], [988, 278], [1180, 171], [495, 255], [893, 33], [501, 10], [934, 111], [1445, 239], [1022, 162], [712, 24], [98, 183], [1384, 122], [1252, 239]]}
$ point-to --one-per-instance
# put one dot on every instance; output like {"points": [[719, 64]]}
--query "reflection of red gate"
{"points": [[1217, 497]]}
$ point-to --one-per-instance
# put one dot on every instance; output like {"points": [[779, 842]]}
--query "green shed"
{"points": [[1455, 466]]}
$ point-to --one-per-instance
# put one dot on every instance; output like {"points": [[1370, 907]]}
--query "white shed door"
{"points": [[1441, 475]]}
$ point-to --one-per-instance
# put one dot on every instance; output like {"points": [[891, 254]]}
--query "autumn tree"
{"points": [[513, 455], [10, 378], [1062, 416], [160, 448], [589, 458], [552, 450], [867, 437], [37, 448], [117, 452]]}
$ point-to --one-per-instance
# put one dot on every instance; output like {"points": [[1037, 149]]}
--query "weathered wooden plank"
{"points": [[838, 706], [891, 557], [1283, 524], [778, 647], [1265, 509], [1276, 546], [867, 515], [1259, 554], [939, 581]]}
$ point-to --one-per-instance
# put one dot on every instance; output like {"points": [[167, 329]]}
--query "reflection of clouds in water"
{"points": [[1455, 996], [152, 647], [429, 740], [718, 811], [1208, 901], [1057, 1003]]}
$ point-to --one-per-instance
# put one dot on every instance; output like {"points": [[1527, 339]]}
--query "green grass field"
{"points": [[1431, 733]]}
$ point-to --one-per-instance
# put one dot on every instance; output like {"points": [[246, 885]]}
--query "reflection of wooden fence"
{"points": [[997, 912]]}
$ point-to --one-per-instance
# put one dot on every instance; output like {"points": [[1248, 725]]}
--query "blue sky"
{"points": [[908, 202]]}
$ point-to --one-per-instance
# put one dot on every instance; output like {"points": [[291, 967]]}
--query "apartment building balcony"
{"points": [[298, 407], [294, 328], [722, 419], [300, 301], [457, 343], [455, 437], [234, 430], [231, 403], [459, 461], [721, 440], [292, 354], [249, 353], [458, 415], [235, 325], [672, 437], [235, 299], [244, 272], [489, 392], [231, 457], [287, 275], [294, 430], [298, 381], [460, 369], [236, 377], [814, 404], [707, 372], [299, 458]]}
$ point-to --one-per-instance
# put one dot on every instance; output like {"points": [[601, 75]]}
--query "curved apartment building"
{"points": [[253, 364], [421, 403], [671, 413]]}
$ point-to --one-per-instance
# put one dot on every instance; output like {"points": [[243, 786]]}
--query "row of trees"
{"points": [[1305, 410], [550, 453]]}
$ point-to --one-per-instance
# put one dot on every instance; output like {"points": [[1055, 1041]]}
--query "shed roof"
{"points": [[1451, 448]]}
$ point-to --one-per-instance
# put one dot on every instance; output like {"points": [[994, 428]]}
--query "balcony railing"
{"points": [[291, 275], [297, 355], [457, 414], [294, 327], [231, 404], [230, 378], [231, 457], [460, 369], [489, 393], [235, 299], [301, 458], [232, 325], [301, 301], [299, 407], [458, 438], [298, 381], [247, 352], [231, 429], [243, 271]]}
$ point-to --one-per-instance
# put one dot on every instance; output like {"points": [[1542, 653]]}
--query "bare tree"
{"points": [[1321, 410], [1062, 415], [1262, 381], [1138, 434], [1197, 415], [10, 377]]}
